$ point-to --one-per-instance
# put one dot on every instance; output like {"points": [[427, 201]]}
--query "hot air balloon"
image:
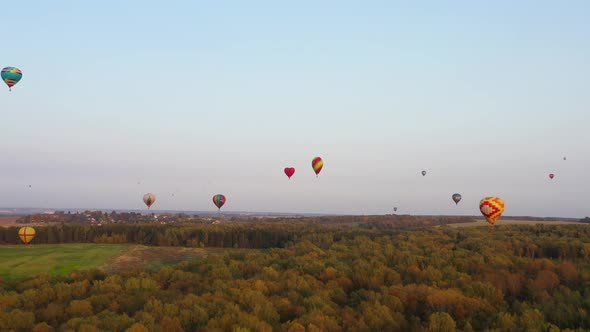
{"points": [[317, 163], [423, 173], [564, 158], [219, 200], [289, 171], [149, 199], [26, 234], [395, 209], [551, 176], [456, 198], [491, 208], [11, 76]]}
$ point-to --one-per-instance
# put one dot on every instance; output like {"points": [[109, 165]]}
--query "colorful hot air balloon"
{"points": [[423, 173], [551, 176], [289, 171], [456, 198], [11, 76], [26, 234], [491, 208], [317, 163], [149, 199], [219, 200]]}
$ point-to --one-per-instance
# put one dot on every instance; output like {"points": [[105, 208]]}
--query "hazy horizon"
{"points": [[199, 99]]}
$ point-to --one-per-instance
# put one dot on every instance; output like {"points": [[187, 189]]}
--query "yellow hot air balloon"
{"points": [[26, 234], [491, 208]]}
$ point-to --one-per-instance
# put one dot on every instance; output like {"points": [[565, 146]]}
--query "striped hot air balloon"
{"points": [[219, 200], [11, 76], [491, 208], [149, 199], [317, 164], [26, 234]]}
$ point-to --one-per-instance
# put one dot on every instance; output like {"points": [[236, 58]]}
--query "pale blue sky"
{"points": [[198, 98]]}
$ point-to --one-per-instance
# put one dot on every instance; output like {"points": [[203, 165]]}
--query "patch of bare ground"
{"points": [[139, 257]]}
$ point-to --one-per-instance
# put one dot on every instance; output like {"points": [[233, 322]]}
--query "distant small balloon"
{"points": [[395, 209], [456, 198], [11, 76], [564, 158], [551, 176], [289, 171], [149, 199], [317, 164], [219, 200], [423, 173]]}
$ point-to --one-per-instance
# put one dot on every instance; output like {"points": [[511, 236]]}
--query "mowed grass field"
{"points": [[18, 261], [501, 222]]}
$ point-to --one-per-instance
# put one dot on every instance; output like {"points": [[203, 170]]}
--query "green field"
{"points": [[59, 259], [56, 259]]}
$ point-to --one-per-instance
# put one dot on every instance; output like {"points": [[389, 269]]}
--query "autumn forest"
{"points": [[292, 276]]}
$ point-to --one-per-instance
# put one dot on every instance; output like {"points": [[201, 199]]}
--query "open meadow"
{"points": [[19, 261]]}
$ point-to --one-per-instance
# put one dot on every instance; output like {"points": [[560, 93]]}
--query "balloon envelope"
{"points": [[395, 209], [317, 163], [11, 76], [491, 208], [26, 234], [456, 198], [149, 199], [219, 200], [551, 176], [289, 171], [423, 173]]}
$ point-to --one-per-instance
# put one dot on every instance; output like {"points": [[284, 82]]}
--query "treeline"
{"points": [[229, 235], [233, 235], [515, 278]]}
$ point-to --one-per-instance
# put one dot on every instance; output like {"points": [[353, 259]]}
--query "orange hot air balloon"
{"points": [[491, 208], [149, 199], [26, 234], [317, 163]]}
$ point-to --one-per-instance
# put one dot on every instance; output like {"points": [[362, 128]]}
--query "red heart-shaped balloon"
{"points": [[289, 171]]}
